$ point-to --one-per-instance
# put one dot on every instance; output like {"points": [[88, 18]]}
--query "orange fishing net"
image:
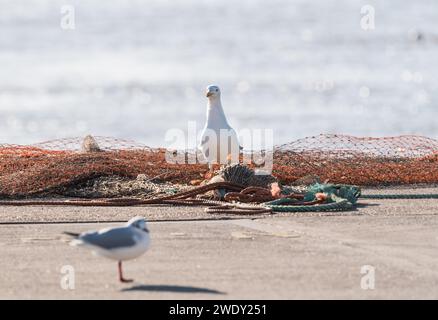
{"points": [[360, 161], [49, 166]]}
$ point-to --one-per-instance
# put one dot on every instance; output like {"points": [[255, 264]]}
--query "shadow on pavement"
{"points": [[170, 288]]}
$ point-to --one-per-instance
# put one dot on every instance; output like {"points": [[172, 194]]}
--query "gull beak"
{"points": [[208, 94]]}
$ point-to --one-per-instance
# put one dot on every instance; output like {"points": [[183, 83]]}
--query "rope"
{"points": [[340, 204], [250, 194], [400, 196], [122, 202], [239, 200], [182, 198], [238, 209]]}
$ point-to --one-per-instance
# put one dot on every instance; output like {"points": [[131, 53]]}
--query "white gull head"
{"points": [[139, 223], [213, 92]]}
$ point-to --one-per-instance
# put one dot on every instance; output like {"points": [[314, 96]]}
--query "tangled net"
{"points": [[57, 167], [362, 161]]}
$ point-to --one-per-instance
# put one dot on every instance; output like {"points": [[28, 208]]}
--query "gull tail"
{"points": [[71, 234], [76, 241]]}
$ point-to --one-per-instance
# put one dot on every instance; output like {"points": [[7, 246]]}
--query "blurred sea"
{"points": [[133, 69]]}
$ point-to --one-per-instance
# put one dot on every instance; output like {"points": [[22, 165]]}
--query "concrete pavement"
{"points": [[196, 256]]}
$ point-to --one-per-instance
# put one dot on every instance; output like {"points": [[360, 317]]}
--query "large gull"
{"points": [[219, 142]]}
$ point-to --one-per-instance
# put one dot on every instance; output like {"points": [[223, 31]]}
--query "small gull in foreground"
{"points": [[119, 243]]}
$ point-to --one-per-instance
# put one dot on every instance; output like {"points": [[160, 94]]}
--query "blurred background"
{"points": [[133, 69]]}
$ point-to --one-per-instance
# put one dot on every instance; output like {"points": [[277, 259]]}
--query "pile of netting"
{"points": [[361, 161], [115, 167]]}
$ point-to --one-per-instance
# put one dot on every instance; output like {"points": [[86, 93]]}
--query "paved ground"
{"points": [[194, 255]]}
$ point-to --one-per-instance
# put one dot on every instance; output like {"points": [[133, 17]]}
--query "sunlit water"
{"points": [[134, 69]]}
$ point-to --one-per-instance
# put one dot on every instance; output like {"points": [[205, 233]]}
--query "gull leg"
{"points": [[121, 274], [210, 173], [212, 168]]}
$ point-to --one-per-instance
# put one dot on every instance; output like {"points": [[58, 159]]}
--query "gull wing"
{"points": [[110, 238]]}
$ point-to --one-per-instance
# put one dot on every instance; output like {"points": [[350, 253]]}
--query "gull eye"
{"points": [[217, 90]]}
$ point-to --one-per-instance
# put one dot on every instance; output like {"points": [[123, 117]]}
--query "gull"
{"points": [[219, 142], [120, 243]]}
